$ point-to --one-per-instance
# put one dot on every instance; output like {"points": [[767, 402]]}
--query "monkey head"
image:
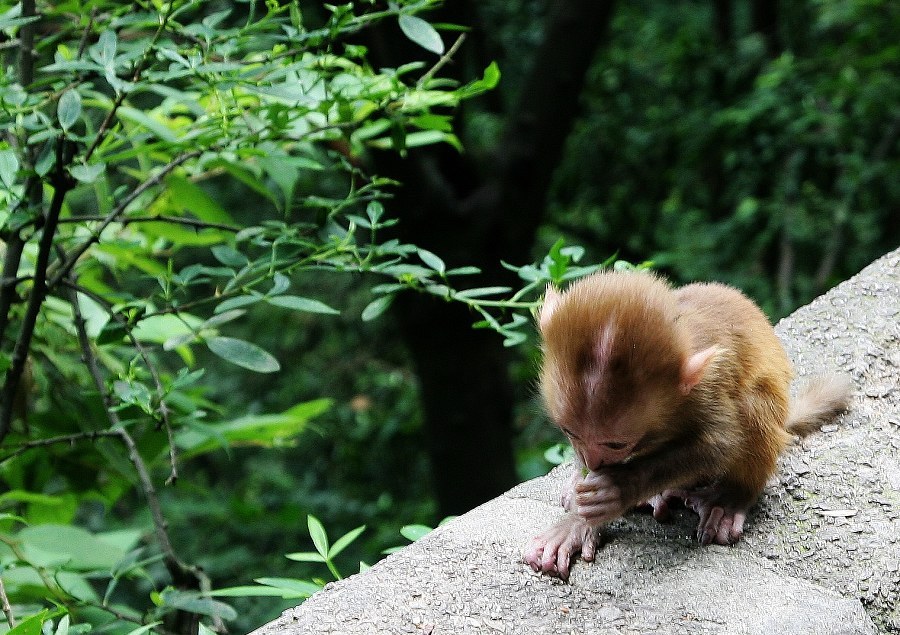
{"points": [[616, 365]]}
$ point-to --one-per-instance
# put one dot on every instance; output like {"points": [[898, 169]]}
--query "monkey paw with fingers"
{"points": [[598, 499], [553, 551], [720, 523], [567, 495]]}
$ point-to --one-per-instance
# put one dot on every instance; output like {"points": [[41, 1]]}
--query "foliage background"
{"points": [[746, 141]]}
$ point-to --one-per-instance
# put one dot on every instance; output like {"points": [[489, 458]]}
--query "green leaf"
{"points": [[300, 587], [193, 198], [260, 430], [68, 109], [87, 173], [9, 166], [422, 33], [192, 602], [62, 628], [376, 307], [222, 317], [239, 301], [298, 303], [30, 626], [140, 630], [480, 292], [432, 261], [414, 532], [160, 328], [244, 354], [229, 256], [318, 535], [305, 556], [374, 210], [341, 543], [143, 119], [280, 284], [259, 591], [80, 549], [107, 45]]}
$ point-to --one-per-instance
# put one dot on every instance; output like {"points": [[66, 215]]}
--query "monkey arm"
{"points": [[610, 492]]}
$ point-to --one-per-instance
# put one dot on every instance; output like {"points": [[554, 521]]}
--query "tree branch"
{"points": [[26, 52], [62, 183], [117, 211], [24, 446], [183, 575]]}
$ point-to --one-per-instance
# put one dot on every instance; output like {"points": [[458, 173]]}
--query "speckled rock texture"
{"points": [[820, 555]]}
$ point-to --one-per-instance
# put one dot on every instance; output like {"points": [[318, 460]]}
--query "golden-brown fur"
{"points": [[666, 393]]}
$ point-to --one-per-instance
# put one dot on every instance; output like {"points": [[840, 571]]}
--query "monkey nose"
{"points": [[600, 456]]}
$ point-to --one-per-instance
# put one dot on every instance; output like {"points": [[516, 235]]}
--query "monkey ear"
{"points": [[693, 368], [551, 300]]}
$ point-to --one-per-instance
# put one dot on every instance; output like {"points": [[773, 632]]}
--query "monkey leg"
{"points": [[722, 509], [553, 551]]}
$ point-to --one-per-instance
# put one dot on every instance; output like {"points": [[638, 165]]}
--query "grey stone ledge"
{"points": [[820, 555]]}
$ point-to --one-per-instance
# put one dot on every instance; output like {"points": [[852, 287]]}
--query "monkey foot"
{"points": [[553, 551], [661, 503], [719, 524]]}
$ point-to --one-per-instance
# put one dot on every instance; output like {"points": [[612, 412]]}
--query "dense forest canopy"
{"points": [[245, 245]]}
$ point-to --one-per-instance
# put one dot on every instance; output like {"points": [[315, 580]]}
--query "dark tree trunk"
{"points": [[764, 18], [469, 215]]}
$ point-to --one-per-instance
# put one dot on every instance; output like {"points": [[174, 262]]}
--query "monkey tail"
{"points": [[820, 400]]}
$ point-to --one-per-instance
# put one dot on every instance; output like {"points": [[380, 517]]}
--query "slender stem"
{"points": [[75, 437], [163, 407], [445, 58], [117, 211], [156, 218], [182, 574], [135, 76], [48, 581], [7, 609]]}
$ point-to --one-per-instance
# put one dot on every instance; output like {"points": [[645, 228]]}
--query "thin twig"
{"points": [[25, 446], [179, 571], [163, 407], [91, 361], [106, 125], [445, 58], [156, 218], [49, 582], [86, 34], [7, 609], [117, 211]]}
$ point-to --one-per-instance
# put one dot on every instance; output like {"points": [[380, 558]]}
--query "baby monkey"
{"points": [[665, 393]]}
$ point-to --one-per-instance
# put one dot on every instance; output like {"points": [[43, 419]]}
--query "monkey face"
{"points": [[605, 430]]}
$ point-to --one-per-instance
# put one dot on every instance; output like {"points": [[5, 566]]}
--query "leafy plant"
{"points": [[123, 269]]}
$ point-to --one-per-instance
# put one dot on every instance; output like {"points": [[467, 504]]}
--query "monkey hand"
{"points": [[553, 551], [567, 496], [598, 499]]}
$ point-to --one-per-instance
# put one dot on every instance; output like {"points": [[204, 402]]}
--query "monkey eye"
{"points": [[616, 445]]}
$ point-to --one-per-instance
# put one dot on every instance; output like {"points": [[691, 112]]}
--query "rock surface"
{"points": [[821, 552]]}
